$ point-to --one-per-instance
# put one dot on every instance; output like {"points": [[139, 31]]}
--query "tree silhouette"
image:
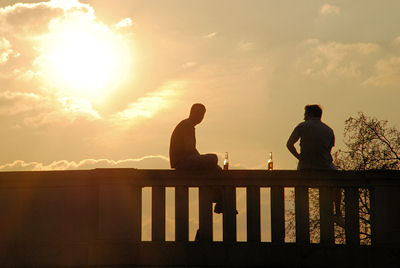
{"points": [[372, 144]]}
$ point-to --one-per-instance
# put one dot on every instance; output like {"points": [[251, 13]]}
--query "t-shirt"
{"points": [[316, 142], [183, 143]]}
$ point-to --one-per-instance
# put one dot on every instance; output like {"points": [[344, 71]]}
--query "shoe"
{"points": [[197, 237], [339, 220], [218, 208]]}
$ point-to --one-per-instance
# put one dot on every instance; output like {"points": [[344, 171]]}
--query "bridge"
{"points": [[93, 218]]}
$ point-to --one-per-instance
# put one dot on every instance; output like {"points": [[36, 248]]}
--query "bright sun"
{"points": [[85, 59]]}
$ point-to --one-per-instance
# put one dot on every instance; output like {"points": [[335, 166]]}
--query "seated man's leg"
{"points": [[202, 162], [210, 161]]}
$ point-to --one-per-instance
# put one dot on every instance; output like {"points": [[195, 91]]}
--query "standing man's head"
{"points": [[312, 111], [197, 113]]}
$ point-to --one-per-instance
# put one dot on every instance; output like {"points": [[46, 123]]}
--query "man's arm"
{"points": [[291, 141], [189, 144]]}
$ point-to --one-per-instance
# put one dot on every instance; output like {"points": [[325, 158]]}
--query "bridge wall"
{"points": [[93, 218]]}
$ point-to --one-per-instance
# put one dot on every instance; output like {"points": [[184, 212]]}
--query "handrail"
{"points": [[237, 178]]}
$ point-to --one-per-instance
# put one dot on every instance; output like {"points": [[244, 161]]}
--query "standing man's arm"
{"points": [[291, 141]]}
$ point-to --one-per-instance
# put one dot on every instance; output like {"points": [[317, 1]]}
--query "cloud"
{"points": [[62, 112], [328, 9], [37, 110], [246, 46], [149, 105], [386, 73], [125, 23], [334, 58], [26, 95], [25, 19], [145, 162], [13, 103], [210, 35], [189, 64], [6, 51]]}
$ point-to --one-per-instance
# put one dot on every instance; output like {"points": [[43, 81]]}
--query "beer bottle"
{"points": [[226, 161], [270, 165]]}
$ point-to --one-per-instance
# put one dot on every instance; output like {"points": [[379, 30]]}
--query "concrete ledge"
{"points": [[217, 254]]}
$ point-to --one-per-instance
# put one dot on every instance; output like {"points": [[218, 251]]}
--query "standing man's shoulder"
{"points": [[327, 127], [300, 126]]}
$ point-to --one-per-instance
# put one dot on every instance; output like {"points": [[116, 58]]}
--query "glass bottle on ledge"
{"points": [[270, 165], [226, 161]]}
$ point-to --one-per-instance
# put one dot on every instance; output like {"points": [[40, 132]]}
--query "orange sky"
{"points": [[103, 83]]}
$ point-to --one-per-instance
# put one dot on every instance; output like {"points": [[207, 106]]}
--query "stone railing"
{"points": [[94, 218]]}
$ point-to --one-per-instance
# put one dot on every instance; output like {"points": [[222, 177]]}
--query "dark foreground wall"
{"points": [[93, 218]]}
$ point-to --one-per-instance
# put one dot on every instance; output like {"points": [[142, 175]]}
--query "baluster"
{"points": [[253, 214], [302, 215], [229, 214], [158, 213], [277, 215], [205, 211], [373, 215], [181, 213], [137, 213], [352, 222], [326, 214]]}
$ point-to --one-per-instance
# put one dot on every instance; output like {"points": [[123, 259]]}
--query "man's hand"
{"points": [[292, 149]]}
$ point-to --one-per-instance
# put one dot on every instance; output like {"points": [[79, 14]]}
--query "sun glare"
{"points": [[85, 59]]}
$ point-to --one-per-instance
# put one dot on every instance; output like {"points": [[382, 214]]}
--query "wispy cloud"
{"points": [[6, 51], [125, 23], [25, 93], [27, 19], [320, 58], [146, 162], [149, 105], [210, 35], [13, 103], [328, 9], [386, 73], [37, 110], [189, 64], [246, 45]]}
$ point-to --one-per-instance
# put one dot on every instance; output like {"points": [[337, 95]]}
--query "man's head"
{"points": [[197, 113], [312, 111]]}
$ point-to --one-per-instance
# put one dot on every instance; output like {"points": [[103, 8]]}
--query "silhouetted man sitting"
{"points": [[316, 142], [183, 154]]}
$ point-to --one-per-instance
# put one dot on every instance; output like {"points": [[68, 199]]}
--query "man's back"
{"points": [[316, 142], [183, 143]]}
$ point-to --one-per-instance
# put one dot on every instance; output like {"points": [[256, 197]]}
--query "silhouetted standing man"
{"points": [[316, 142], [183, 154]]}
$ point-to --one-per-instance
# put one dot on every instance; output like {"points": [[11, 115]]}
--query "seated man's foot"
{"points": [[339, 220], [218, 208]]}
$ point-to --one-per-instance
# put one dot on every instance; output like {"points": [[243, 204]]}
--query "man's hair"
{"points": [[313, 110], [197, 107]]}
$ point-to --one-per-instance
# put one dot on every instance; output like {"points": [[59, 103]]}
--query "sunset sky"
{"points": [[100, 83]]}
